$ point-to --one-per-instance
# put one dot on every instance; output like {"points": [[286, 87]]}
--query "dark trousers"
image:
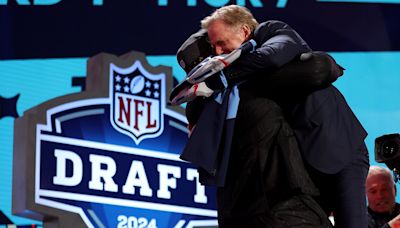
{"points": [[343, 193], [299, 211]]}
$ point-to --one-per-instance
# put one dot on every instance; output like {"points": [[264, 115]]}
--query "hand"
{"points": [[395, 222]]}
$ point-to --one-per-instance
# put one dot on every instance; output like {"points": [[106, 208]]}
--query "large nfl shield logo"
{"points": [[85, 163], [138, 101]]}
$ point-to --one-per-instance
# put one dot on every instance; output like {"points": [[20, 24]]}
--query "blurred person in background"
{"points": [[383, 211]]}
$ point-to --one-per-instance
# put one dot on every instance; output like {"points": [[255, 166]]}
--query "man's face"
{"points": [[380, 193], [223, 38]]}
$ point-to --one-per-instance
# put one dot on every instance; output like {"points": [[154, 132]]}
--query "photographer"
{"points": [[383, 211]]}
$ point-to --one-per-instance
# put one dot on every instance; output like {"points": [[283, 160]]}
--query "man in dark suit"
{"points": [[258, 169], [330, 137]]}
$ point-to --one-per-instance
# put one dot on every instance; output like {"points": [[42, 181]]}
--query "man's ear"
{"points": [[246, 30]]}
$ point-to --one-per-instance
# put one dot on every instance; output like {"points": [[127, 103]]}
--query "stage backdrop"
{"points": [[45, 44]]}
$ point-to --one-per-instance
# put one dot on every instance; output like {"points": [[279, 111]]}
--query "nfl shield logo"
{"points": [[138, 101]]}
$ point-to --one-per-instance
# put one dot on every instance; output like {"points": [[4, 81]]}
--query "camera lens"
{"points": [[389, 149]]}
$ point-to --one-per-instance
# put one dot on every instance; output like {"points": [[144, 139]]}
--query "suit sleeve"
{"points": [[276, 63], [278, 45]]}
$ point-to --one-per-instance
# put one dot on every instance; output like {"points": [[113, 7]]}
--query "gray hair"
{"points": [[381, 171], [232, 15]]}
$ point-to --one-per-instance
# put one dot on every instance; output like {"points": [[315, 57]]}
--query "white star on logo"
{"points": [[118, 78], [156, 85], [148, 84], [156, 94], [117, 87], [148, 93], [126, 89], [126, 80]]}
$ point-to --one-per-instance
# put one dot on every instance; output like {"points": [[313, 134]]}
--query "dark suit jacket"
{"points": [[327, 130]]}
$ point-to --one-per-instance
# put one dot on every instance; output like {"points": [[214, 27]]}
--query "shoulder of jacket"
{"points": [[270, 26], [267, 29], [272, 23]]}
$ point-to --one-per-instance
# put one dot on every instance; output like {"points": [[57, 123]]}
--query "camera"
{"points": [[387, 150]]}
